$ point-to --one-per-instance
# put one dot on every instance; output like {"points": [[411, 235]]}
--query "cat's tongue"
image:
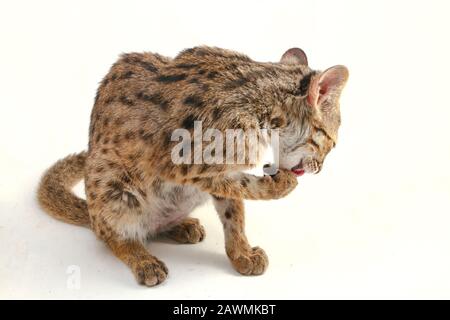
{"points": [[298, 172]]}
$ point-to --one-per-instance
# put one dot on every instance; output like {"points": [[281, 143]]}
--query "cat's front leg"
{"points": [[241, 185], [246, 259]]}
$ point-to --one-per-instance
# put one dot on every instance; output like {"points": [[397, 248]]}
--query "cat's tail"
{"points": [[55, 190]]}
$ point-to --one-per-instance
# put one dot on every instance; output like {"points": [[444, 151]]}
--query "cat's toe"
{"points": [[196, 234], [150, 272], [254, 262]]}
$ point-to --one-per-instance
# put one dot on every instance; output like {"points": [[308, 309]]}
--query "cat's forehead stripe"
{"points": [[325, 133]]}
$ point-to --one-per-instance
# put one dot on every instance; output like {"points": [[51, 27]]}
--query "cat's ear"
{"points": [[327, 86], [294, 56]]}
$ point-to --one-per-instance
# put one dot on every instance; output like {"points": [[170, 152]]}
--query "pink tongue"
{"points": [[298, 172]]}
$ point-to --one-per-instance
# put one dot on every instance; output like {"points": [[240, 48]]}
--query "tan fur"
{"points": [[53, 192], [135, 191], [188, 231]]}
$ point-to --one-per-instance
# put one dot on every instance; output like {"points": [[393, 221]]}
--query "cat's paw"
{"points": [[188, 231], [150, 272], [280, 184], [253, 262]]}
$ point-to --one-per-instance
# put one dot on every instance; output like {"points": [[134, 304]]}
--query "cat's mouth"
{"points": [[307, 166], [298, 169]]}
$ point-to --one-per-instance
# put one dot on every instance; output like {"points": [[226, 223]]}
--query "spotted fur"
{"points": [[134, 190]]}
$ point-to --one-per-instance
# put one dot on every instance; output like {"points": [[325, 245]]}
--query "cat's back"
{"points": [[131, 74]]}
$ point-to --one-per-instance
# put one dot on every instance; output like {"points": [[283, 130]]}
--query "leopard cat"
{"points": [[135, 191]]}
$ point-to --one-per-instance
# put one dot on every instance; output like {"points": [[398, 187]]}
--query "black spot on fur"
{"points": [[228, 213], [137, 60], [194, 101], [160, 58], [125, 178], [186, 65], [311, 141], [304, 84], [80, 205], [184, 169], [113, 165], [115, 192], [132, 201], [188, 122], [244, 182], [114, 77], [171, 78], [127, 75], [115, 189], [200, 52], [167, 138], [193, 80], [155, 98], [134, 156], [186, 51], [235, 83], [212, 74], [148, 66], [276, 123], [127, 101], [217, 113]]}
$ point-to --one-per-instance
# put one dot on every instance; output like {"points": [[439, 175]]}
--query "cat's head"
{"points": [[313, 118]]}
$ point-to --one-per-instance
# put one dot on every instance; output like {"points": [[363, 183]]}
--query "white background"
{"points": [[374, 224]]}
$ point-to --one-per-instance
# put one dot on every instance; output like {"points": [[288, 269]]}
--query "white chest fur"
{"points": [[163, 208]]}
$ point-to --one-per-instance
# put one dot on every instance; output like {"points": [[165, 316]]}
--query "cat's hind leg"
{"points": [[117, 215], [147, 269]]}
